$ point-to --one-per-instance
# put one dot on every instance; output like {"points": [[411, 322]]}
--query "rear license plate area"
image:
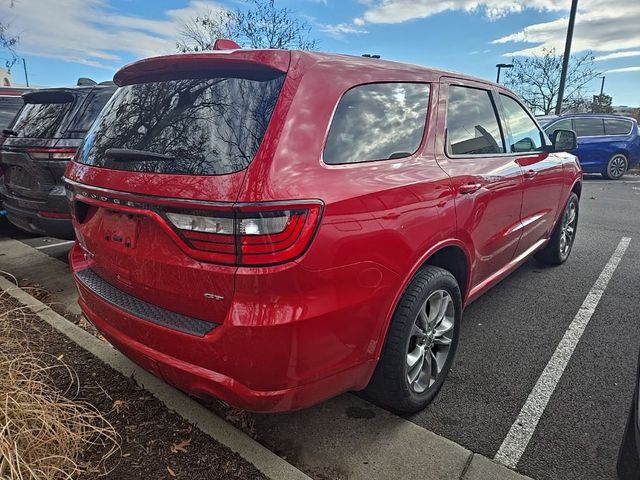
{"points": [[19, 177], [120, 229]]}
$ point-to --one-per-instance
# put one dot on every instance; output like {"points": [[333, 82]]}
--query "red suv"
{"points": [[273, 228]]}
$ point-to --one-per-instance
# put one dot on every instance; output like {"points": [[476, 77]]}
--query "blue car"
{"points": [[607, 144]]}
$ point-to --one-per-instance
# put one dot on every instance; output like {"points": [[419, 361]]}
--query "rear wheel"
{"points": [[617, 167], [420, 344], [559, 247]]}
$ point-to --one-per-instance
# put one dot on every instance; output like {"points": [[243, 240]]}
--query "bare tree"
{"points": [[260, 25], [201, 31], [537, 80], [8, 43]]}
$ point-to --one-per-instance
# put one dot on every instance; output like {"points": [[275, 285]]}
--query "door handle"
{"points": [[530, 174], [469, 188]]}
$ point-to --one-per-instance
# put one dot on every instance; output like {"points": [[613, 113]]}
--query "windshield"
{"points": [[208, 126]]}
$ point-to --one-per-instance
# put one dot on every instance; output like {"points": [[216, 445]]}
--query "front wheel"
{"points": [[559, 247], [617, 167], [420, 344]]}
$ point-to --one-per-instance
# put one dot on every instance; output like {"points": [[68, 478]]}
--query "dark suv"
{"points": [[42, 138]]}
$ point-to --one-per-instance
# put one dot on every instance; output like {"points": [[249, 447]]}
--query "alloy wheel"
{"points": [[567, 235], [430, 341], [617, 166]]}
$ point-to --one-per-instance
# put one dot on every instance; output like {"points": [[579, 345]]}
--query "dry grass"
{"points": [[44, 432]]}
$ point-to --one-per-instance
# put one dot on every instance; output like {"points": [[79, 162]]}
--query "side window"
{"points": [[589, 127], [379, 121], [93, 105], [472, 123], [561, 125], [525, 134], [613, 126]]}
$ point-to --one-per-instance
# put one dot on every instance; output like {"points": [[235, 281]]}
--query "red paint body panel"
{"points": [[294, 334]]}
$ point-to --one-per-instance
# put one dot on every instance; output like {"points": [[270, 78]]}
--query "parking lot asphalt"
{"points": [[509, 335]]}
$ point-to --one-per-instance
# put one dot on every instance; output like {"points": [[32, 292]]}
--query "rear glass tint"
{"points": [[94, 103], [207, 126], [379, 121], [614, 126], [42, 115], [9, 106], [472, 123]]}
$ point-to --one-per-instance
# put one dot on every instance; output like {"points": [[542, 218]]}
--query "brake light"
{"points": [[250, 235], [59, 154]]}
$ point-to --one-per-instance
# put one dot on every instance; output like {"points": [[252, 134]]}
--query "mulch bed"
{"points": [[154, 442]]}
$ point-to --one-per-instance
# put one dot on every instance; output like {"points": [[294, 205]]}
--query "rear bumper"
{"points": [[25, 214], [208, 384], [296, 358]]}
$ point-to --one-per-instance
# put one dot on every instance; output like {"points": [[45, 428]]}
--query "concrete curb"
{"points": [[264, 460]]}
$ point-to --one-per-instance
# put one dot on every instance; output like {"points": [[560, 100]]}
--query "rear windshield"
{"points": [[42, 115], [205, 126], [9, 106], [94, 103]]}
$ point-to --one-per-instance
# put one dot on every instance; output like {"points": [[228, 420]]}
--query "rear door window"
{"points": [[42, 114], [9, 106], [204, 126], [378, 121], [472, 122], [589, 127], [613, 126], [525, 134], [94, 103]]}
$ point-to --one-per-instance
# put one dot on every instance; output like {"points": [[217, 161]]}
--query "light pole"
{"points": [[500, 66], [567, 54], [602, 85], [26, 77]]}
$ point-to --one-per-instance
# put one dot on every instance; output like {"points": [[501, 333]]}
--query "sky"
{"points": [[62, 40]]}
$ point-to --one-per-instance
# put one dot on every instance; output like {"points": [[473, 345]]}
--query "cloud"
{"points": [[341, 29], [614, 55], [624, 69], [398, 11], [599, 27], [93, 32]]}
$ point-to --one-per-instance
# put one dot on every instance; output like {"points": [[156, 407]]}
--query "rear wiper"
{"points": [[11, 133], [128, 155]]}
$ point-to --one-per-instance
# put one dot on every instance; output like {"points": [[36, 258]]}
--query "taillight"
{"points": [[250, 235], [61, 154]]}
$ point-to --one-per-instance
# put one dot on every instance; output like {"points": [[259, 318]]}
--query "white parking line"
{"points": [[59, 244], [523, 428]]}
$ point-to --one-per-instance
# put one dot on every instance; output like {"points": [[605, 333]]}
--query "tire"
{"points": [[616, 167], [557, 251], [409, 337]]}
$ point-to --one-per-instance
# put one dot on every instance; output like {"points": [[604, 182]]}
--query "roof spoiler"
{"points": [[209, 62]]}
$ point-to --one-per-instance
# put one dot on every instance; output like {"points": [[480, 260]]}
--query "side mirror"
{"points": [[523, 145], [564, 140]]}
